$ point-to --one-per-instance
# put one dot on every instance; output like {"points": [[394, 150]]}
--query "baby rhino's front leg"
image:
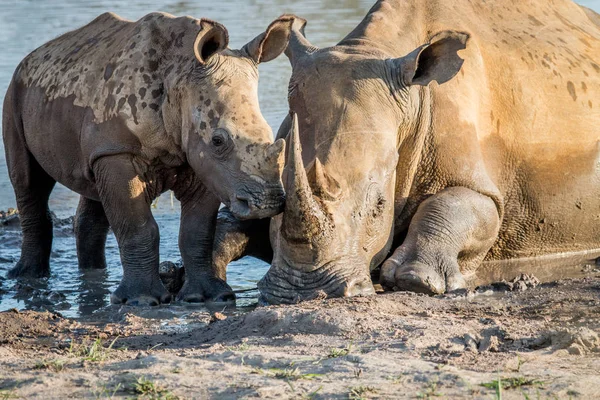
{"points": [[451, 231], [127, 206], [199, 208]]}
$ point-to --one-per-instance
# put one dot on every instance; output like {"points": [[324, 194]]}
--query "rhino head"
{"points": [[214, 105], [350, 107]]}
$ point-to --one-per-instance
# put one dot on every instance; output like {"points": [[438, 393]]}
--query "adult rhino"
{"points": [[121, 111], [448, 131]]}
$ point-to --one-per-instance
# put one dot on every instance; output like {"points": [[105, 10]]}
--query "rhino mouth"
{"points": [[255, 206], [284, 284]]}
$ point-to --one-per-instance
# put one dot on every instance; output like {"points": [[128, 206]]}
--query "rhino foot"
{"points": [[419, 277], [207, 290], [140, 293], [29, 270]]}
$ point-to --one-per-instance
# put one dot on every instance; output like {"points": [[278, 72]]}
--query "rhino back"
{"points": [[98, 91], [112, 65]]}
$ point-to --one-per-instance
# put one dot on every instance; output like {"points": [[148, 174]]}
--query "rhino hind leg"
{"points": [[91, 229], [32, 189], [456, 226]]}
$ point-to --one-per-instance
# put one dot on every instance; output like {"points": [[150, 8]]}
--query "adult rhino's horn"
{"points": [[323, 185], [303, 217]]}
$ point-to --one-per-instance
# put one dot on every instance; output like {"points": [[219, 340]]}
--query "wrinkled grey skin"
{"points": [[428, 141], [122, 111]]}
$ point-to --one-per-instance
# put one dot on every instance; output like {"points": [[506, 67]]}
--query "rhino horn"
{"points": [[303, 216], [323, 185], [275, 153]]}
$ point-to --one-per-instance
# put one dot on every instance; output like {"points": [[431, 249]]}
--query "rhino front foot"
{"points": [[140, 293], [208, 290], [419, 277]]}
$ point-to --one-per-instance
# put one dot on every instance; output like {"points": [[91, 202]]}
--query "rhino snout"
{"points": [[261, 204], [284, 284]]}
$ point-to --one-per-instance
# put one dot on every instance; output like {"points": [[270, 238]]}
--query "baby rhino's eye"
{"points": [[217, 141], [221, 143]]}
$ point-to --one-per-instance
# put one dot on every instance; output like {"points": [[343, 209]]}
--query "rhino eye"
{"points": [[221, 143], [217, 141]]}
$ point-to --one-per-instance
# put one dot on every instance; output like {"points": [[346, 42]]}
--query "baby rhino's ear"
{"points": [[272, 42], [212, 39]]}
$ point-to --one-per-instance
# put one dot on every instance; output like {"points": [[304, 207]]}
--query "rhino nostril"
{"points": [[244, 201]]}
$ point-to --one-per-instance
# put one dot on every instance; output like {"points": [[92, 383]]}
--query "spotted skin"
{"points": [[122, 111]]}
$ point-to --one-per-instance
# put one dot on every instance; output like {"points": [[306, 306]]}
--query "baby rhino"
{"points": [[122, 111]]}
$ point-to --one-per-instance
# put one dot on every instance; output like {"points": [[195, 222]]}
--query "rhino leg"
{"points": [[32, 189], [235, 239], [127, 206], [91, 228], [455, 227], [199, 208]]}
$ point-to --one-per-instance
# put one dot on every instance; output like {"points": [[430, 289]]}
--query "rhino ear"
{"points": [[272, 42], [299, 45], [437, 61], [212, 39]]}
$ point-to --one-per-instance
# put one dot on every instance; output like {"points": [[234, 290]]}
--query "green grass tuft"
{"points": [[361, 392]]}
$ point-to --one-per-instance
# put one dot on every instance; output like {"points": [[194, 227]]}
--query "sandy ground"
{"points": [[540, 343]]}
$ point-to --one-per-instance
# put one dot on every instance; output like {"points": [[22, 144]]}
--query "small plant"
{"points": [[52, 365], [102, 392], [94, 352], [147, 389], [360, 392], [520, 363], [396, 379], [240, 347], [8, 395], [431, 390], [343, 352], [510, 383], [358, 372], [292, 374], [311, 395]]}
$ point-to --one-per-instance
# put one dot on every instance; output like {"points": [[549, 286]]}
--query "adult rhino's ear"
{"points": [[437, 61], [299, 44], [272, 42], [212, 39]]}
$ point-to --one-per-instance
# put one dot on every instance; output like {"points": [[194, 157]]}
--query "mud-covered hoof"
{"points": [[213, 291], [411, 281], [224, 297], [419, 278], [190, 297], [140, 298], [25, 270]]}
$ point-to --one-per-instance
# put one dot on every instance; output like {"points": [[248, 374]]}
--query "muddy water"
{"points": [[26, 24]]}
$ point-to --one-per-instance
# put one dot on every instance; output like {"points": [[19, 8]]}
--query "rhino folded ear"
{"points": [[299, 44], [437, 61], [272, 42], [212, 39]]}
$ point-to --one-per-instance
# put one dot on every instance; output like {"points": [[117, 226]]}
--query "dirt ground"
{"points": [[538, 343]]}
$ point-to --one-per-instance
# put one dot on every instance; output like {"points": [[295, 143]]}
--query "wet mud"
{"points": [[541, 342]]}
